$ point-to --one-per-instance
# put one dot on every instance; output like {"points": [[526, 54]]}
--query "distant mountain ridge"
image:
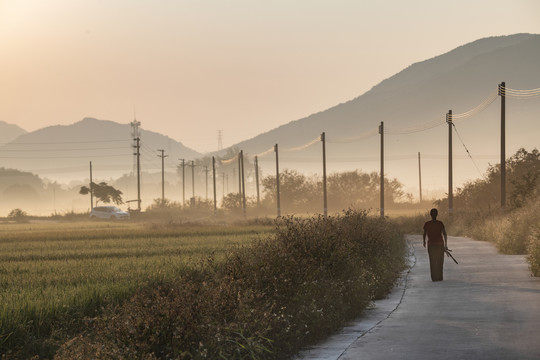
{"points": [[459, 79], [9, 132], [64, 151], [423, 92]]}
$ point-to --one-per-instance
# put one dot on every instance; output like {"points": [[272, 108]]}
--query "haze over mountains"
{"points": [[64, 152], [418, 96], [422, 94]]}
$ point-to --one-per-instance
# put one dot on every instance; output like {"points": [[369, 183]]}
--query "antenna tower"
{"points": [[135, 134], [220, 140]]}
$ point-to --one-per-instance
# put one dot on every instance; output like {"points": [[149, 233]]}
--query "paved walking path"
{"points": [[487, 307]]}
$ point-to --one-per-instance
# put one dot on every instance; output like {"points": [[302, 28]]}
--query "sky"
{"points": [[190, 68]]}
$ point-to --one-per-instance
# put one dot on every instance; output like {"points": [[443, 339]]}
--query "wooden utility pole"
{"points": [[223, 193], [276, 150], [214, 181], [192, 182], [257, 180], [183, 182], [450, 170], [206, 175], [138, 154], [243, 190], [162, 156], [420, 176], [91, 189], [381, 132], [325, 194], [240, 173], [502, 94]]}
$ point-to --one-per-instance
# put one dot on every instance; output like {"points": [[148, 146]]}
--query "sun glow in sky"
{"points": [[193, 67]]}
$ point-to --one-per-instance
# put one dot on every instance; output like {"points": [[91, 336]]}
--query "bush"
{"points": [[534, 251], [18, 215], [265, 301]]}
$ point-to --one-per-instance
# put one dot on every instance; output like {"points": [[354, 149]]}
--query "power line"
{"points": [[69, 149], [63, 142], [61, 157], [467, 150]]}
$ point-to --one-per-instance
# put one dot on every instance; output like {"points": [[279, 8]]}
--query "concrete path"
{"points": [[487, 307]]}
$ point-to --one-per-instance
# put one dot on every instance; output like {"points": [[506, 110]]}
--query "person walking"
{"points": [[436, 245]]}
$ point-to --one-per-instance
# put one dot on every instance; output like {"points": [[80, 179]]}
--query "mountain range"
{"points": [[412, 104], [64, 152]]}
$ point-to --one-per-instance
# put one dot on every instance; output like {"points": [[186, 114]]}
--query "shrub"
{"points": [[534, 251], [18, 215], [265, 301]]}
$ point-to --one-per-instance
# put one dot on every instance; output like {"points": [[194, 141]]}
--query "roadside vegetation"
{"points": [[514, 230], [168, 290]]}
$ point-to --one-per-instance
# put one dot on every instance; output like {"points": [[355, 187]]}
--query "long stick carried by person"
{"points": [[447, 251]]}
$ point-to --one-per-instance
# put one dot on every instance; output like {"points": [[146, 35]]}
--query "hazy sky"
{"points": [[193, 67]]}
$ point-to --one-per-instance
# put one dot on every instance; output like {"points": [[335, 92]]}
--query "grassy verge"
{"points": [[264, 301]]}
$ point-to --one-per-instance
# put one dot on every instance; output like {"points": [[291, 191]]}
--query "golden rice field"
{"points": [[49, 269]]}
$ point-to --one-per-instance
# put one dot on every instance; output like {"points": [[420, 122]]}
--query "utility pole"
{"points": [[138, 154], [240, 173], [206, 174], [214, 181], [381, 131], [135, 134], [183, 182], [450, 170], [193, 181], [257, 180], [220, 140], [502, 94], [91, 189], [223, 194], [325, 197], [162, 156], [276, 150], [420, 176], [243, 182]]}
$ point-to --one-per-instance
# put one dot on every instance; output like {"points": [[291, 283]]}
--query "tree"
{"points": [[361, 190], [297, 192], [18, 215], [523, 181], [104, 193]]}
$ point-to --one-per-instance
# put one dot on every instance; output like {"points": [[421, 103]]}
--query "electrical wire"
{"points": [[230, 161], [305, 146], [520, 94], [264, 153], [62, 142], [481, 107], [352, 139], [77, 149], [61, 157], [415, 129], [467, 150]]}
